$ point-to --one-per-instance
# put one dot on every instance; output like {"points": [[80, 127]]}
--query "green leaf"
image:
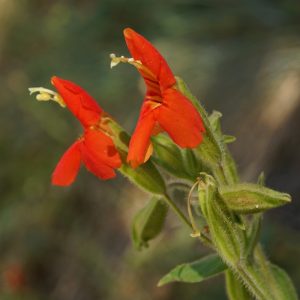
{"points": [[235, 288], [149, 222], [196, 271], [248, 198], [284, 288]]}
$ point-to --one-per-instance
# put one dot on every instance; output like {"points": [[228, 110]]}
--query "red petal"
{"points": [[101, 148], [80, 103], [99, 154], [98, 168], [68, 166], [141, 49], [180, 119], [140, 143]]}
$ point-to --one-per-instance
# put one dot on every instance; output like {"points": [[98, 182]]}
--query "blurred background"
{"points": [[239, 57]]}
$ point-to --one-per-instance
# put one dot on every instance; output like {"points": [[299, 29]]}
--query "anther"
{"points": [[115, 60], [47, 95], [195, 234]]}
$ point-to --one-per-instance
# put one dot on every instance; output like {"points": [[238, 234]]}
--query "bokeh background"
{"points": [[239, 57]]}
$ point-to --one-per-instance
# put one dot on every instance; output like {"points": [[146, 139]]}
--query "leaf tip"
{"points": [[163, 281]]}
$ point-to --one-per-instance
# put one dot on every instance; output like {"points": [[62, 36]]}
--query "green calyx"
{"points": [[226, 234], [180, 163], [146, 176], [245, 198]]}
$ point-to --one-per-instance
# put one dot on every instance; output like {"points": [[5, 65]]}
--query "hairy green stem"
{"points": [[250, 277]]}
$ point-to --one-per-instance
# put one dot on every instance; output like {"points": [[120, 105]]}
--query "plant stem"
{"points": [[239, 250], [245, 272], [177, 211]]}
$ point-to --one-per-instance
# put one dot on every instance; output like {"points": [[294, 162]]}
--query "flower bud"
{"points": [[249, 198], [227, 236], [148, 222]]}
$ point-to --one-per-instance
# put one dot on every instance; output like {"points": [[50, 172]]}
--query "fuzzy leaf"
{"points": [[196, 271]]}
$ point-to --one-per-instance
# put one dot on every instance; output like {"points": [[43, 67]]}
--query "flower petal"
{"points": [[99, 154], [95, 166], [68, 166], [141, 49], [80, 103], [140, 148], [180, 119], [101, 148]]}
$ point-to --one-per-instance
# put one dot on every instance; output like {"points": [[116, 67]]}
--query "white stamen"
{"points": [[43, 97], [58, 98], [195, 234], [114, 63], [115, 60], [47, 95], [40, 90]]}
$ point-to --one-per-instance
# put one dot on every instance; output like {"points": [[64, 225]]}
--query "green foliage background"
{"points": [[73, 243]]}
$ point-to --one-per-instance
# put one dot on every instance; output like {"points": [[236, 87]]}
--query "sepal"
{"points": [[215, 121], [181, 163], [228, 139], [146, 176], [253, 232]]}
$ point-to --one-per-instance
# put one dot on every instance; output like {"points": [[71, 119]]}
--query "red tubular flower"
{"points": [[95, 148], [164, 108]]}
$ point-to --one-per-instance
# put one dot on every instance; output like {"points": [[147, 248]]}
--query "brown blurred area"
{"points": [[239, 57]]}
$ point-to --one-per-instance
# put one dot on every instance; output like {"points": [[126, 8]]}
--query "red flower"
{"points": [[164, 108], [94, 148]]}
